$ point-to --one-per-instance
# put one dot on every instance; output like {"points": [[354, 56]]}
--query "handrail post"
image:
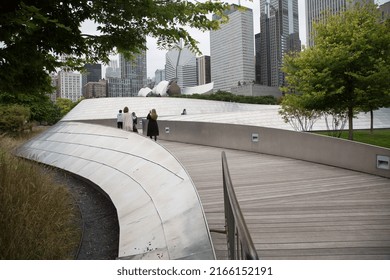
{"points": [[229, 222], [239, 241]]}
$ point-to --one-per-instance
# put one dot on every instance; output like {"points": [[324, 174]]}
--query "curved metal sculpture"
{"points": [[159, 211]]}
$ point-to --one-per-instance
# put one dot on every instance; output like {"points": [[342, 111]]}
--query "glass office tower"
{"points": [[279, 34]]}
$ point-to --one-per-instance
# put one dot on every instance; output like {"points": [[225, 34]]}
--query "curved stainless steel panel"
{"points": [[169, 108], [159, 211]]}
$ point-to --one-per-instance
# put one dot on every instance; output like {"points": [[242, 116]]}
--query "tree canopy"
{"points": [[35, 34], [347, 69]]}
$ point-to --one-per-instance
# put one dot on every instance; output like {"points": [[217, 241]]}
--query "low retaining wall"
{"points": [[298, 145]]}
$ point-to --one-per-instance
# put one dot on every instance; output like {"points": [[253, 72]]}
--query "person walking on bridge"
{"points": [[152, 125]]}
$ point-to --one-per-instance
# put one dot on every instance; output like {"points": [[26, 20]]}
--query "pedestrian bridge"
{"points": [[303, 196], [158, 208]]}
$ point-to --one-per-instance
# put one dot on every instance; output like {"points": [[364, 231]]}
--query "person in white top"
{"points": [[127, 120], [119, 119]]}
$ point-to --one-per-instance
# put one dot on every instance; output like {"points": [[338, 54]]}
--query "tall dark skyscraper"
{"points": [[94, 72], [279, 34], [258, 57]]}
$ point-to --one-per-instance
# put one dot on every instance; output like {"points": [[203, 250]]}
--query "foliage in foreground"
{"points": [[38, 218], [347, 70], [229, 97], [40, 36]]}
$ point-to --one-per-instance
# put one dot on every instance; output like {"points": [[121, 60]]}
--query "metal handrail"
{"points": [[240, 244]]}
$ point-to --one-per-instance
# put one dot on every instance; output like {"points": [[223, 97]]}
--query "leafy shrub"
{"points": [[229, 97], [14, 118]]}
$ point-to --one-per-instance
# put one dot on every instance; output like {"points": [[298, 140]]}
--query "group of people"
{"points": [[129, 122]]}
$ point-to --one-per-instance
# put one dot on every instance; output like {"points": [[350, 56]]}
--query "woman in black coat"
{"points": [[152, 125]]}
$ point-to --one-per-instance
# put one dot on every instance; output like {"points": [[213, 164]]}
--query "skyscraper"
{"points": [[69, 85], [317, 9], [93, 73], [133, 77], [159, 75], [258, 57], [180, 65], [203, 69], [232, 50], [279, 29], [113, 71], [385, 10], [133, 73]]}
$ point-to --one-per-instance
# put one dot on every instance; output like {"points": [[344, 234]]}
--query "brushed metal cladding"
{"points": [[159, 211], [169, 108]]}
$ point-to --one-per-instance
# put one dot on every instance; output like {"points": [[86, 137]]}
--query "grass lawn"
{"points": [[380, 137]]}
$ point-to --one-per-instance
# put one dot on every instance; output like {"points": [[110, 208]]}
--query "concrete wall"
{"points": [[297, 145]]}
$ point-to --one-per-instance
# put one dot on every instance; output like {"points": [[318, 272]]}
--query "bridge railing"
{"points": [[239, 241]]}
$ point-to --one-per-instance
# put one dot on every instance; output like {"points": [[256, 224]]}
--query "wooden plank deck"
{"points": [[294, 209]]}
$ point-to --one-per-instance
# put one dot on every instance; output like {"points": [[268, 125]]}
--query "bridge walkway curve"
{"points": [[294, 209]]}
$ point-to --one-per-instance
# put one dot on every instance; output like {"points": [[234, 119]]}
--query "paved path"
{"points": [[294, 209]]}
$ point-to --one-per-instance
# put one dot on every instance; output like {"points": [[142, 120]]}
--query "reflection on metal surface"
{"points": [[159, 211], [170, 108]]}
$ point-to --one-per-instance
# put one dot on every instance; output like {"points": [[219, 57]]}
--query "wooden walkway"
{"points": [[294, 209]]}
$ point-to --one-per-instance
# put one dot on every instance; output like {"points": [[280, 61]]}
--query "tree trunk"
{"points": [[350, 121], [372, 122]]}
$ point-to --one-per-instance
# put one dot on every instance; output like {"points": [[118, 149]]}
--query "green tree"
{"points": [[293, 111], [348, 66], [35, 34], [65, 105]]}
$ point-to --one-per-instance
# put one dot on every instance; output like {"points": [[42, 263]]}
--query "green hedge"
{"points": [[229, 97]]}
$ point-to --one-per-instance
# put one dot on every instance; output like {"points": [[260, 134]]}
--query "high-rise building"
{"points": [[279, 29], [180, 65], [232, 50], [113, 71], [203, 69], [316, 10], [258, 57], [69, 85], [385, 10], [93, 73], [159, 75], [133, 77], [134, 74]]}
